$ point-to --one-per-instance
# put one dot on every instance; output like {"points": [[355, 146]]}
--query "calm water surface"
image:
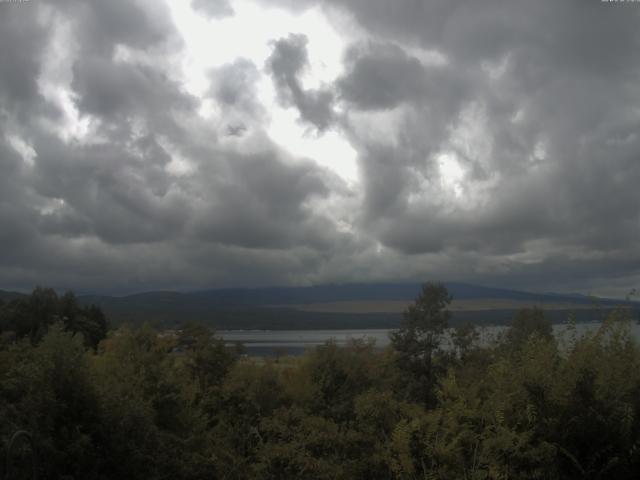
{"points": [[295, 342]]}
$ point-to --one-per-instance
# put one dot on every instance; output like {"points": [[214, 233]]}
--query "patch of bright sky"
{"points": [[54, 81], [25, 150], [52, 205], [249, 33], [451, 174], [539, 152], [470, 146], [518, 116], [455, 190], [534, 251], [471, 137], [179, 165], [428, 58], [329, 149]]}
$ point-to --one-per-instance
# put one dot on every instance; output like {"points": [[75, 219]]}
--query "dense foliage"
{"points": [[30, 317], [152, 405]]}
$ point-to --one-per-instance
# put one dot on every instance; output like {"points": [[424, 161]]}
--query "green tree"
{"points": [[47, 390], [89, 321], [330, 377], [464, 336], [419, 338], [33, 315], [528, 322], [207, 358], [151, 430]]}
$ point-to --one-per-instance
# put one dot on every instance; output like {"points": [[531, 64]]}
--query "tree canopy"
{"points": [[153, 405]]}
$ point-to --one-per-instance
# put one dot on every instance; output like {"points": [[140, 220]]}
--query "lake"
{"points": [[295, 342]]}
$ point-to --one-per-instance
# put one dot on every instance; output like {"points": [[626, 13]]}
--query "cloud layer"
{"points": [[496, 143]]}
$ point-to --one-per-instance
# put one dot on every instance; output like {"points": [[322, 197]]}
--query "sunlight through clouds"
{"points": [[451, 174], [332, 140], [249, 34], [328, 149]]}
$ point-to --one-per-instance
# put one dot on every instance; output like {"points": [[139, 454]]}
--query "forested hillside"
{"points": [[298, 308], [140, 404]]}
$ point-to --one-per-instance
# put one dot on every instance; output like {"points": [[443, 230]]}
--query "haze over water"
{"points": [[296, 342]]}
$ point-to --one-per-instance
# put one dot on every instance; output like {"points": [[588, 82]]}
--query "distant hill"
{"points": [[6, 296], [335, 306], [336, 293]]}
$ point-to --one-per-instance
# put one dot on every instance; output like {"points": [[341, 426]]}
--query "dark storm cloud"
{"points": [[23, 40], [116, 91], [234, 89], [381, 77], [20, 64], [116, 196], [497, 142], [286, 63], [16, 222], [555, 91], [150, 197], [101, 26], [264, 206]]}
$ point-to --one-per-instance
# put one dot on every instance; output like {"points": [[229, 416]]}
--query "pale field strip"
{"points": [[398, 306]]}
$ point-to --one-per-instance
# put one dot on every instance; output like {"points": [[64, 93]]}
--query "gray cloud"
{"points": [[116, 91], [286, 63], [101, 26], [149, 197], [381, 77], [23, 39], [234, 84], [549, 176], [496, 143], [234, 89], [213, 8]]}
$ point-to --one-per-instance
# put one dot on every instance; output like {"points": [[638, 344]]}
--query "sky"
{"points": [[190, 144]]}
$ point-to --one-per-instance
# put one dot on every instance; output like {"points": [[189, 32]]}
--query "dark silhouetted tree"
{"points": [[419, 337]]}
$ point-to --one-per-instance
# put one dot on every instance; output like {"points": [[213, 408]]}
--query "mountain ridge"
{"points": [[358, 305], [280, 295]]}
